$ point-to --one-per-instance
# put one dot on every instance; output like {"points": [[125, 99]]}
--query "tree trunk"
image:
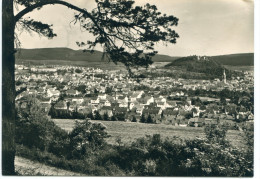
{"points": [[8, 87]]}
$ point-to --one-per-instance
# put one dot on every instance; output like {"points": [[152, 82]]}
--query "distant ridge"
{"points": [[67, 54], [242, 59], [70, 55]]}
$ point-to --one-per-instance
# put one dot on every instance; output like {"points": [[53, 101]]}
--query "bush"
{"points": [[143, 120], [87, 137], [97, 116], [134, 119], [149, 119], [216, 134], [105, 117], [89, 166], [33, 126]]}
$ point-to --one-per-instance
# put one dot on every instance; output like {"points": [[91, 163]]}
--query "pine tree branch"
{"points": [[48, 2]]}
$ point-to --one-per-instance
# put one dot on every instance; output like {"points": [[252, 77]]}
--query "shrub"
{"points": [[143, 120], [87, 137], [216, 134], [97, 116], [34, 128], [134, 119], [105, 117], [149, 119]]}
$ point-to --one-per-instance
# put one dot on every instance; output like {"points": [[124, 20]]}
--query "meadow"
{"points": [[127, 132]]}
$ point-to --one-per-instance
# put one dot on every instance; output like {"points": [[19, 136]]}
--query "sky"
{"points": [[206, 27]]}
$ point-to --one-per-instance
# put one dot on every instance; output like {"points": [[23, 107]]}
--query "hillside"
{"points": [[245, 59], [203, 65], [58, 54]]}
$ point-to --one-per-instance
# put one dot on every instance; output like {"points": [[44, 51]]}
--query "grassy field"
{"points": [[129, 131]]}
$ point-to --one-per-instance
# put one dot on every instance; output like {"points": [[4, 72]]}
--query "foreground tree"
{"points": [[127, 34]]}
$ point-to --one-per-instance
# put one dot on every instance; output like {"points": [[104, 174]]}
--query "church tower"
{"points": [[224, 77]]}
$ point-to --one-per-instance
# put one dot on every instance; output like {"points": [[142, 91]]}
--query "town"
{"points": [[71, 92]]}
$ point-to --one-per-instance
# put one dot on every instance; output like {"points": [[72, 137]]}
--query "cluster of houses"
{"points": [[236, 83], [57, 87]]}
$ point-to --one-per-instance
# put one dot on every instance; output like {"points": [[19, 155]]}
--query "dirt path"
{"points": [[30, 168]]}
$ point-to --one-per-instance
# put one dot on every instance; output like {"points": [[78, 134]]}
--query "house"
{"points": [[32, 91], [41, 91], [45, 100], [53, 92], [72, 92], [171, 104], [162, 105], [250, 116], [107, 103], [146, 100], [60, 105], [160, 99], [102, 96], [78, 100], [94, 101], [122, 99], [124, 104]]}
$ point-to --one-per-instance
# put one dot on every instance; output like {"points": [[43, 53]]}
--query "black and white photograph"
{"points": [[128, 88]]}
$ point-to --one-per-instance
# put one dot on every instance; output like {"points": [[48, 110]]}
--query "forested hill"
{"points": [[67, 54], [204, 65]]}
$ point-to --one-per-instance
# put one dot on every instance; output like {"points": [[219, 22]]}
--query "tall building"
{"points": [[224, 77]]}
